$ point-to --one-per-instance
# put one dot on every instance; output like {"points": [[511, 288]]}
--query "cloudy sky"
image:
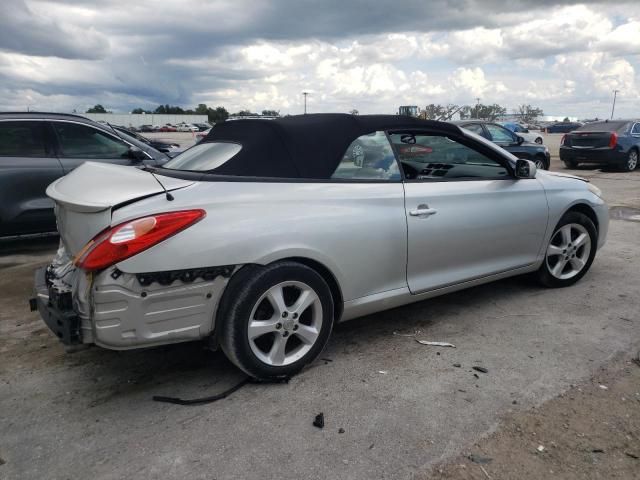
{"points": [[566, 57]]}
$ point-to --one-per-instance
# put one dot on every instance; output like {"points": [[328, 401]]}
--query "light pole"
{"points": [[305, 101], [615, 94], [477, 106]]}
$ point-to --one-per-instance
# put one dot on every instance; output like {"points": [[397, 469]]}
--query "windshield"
{"points": [[204, 156]]}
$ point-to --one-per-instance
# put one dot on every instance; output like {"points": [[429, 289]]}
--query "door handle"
{"points": [[423, 210]]}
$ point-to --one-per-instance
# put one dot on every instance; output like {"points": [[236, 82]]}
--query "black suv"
{"points": [[38, 148], [538, 154]]}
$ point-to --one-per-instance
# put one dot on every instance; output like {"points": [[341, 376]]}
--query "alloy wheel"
{"points": [[568, 251], [632, 161], [285, 323], [539, 164]]}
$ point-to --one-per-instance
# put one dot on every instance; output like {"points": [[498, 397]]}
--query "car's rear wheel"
{"points": [[570, 163], [631, 163], [570, 251], [275, 319], [538, 140]]}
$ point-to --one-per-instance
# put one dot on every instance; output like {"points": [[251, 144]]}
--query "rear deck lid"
{"points": [[594, 135], [85, 198]]}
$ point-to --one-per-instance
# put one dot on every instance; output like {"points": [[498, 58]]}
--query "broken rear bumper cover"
{"points": [[119, 310]]}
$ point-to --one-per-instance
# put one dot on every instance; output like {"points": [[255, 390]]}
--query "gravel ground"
{"points": [[404, 407]]}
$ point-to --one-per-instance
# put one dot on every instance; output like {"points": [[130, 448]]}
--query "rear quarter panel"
{"points": [[356, 230]]}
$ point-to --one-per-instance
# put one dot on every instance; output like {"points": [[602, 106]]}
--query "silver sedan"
{"points": [[261, 237]]}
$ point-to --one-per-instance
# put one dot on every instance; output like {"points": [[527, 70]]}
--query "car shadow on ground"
{"points": [[190, 370]]}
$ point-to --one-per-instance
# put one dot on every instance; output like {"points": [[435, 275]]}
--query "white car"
{"points": [[185, 127], [521, 131]]}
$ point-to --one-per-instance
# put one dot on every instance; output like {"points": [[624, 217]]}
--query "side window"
{"points": [[81, 141], [22, 139], [369, 157], [636, 129], [475, 128], [435, 157], [499, 134]]}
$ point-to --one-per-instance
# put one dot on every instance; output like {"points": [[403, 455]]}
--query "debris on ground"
{"points": [[603, 387], [341, 430], [383, 372], [476, 375], [2, 462], [485, 472], [632, 455], [435, 344], [479, 459], [480, 369], [398, 334], [540, 448], [457, 365], [319, 420], [597, 450]]}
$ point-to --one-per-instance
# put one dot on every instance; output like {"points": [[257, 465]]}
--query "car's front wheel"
{"points": [[540, 162], [275, 319], [570, 251], [570, 164], [538, 140]]}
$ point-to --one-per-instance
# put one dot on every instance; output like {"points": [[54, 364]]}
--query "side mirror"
{"points": [[519, 139], [525, 168], [136, 154]]}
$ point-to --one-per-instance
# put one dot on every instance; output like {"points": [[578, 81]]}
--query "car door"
{"points": [[467, 216], [27, 166], [78, 143]]}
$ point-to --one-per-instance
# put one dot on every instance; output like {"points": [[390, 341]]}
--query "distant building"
{"points": [[137, 119]]}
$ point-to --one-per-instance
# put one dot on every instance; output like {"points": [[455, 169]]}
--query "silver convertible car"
{"points": [[264, 235]]}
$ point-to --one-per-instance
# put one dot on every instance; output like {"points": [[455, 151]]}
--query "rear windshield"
{"points": [[603, 127], [204, 156]]}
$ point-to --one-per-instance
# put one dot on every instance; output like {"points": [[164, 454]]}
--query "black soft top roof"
{"points": [[303, 146]]}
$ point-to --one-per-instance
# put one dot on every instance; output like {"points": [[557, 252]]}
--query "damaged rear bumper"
{"points": [[120, 311]]}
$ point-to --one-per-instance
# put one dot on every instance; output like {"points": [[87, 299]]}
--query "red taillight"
{"points": [[613, 140], [563, 139], [130, 238]]}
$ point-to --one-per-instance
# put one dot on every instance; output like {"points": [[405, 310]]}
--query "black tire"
{"points": [[631, 162], [243, 293], [544, 274], [570, 164], [538, 140]]}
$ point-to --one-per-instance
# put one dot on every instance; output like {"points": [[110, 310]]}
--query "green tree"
{"points": [[439, 112], [527, 113], [168, 109], [97, 109], [217, 115], [244, 113], [140, 110], [482, 112], [202, 109], [271, 113], [354, 112]]}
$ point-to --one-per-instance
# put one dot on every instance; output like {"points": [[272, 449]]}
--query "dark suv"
{"points": [[538, 154], [38, 148]]}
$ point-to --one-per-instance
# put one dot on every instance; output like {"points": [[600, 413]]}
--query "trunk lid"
{"points": [[86, 197], [588, 139]]}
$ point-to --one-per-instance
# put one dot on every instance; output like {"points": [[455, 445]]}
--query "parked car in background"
{"points": [[201, 135], [539, 154], [186, 127], [204, 248], [521, 131], [145, 128], [562, 127], [38, 148], [164, 146], [614, 143], [202, 126], [167, 128]]}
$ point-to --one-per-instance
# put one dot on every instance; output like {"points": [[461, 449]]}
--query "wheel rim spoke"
{"points": [[276, 299], [565, 233], [257, 328], [308, 335], [581, 240], [559, 267], [554, 250], [306, 298], [577, 263], [277, 352]]}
